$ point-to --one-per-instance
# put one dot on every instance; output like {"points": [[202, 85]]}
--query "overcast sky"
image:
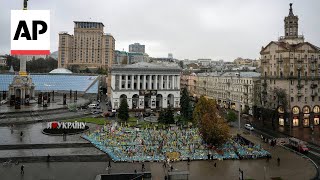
{"points": [[190, 29]]}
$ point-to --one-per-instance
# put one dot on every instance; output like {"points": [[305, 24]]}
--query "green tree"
{"points": [[161, 118], [14, 62], [231, 116], [123, 110], [186, 109], [202, 107], [42, 65], [169, 116], [87, 70], [213, 129], [166, 116]]}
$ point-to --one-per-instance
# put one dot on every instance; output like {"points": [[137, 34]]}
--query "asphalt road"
{"points": [[314, 151]]}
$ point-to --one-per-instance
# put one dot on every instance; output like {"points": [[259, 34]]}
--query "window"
{"points": [[305, 99], [292, 99]]}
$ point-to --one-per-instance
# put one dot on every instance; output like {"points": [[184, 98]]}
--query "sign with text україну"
{"points": [[30, 32]]}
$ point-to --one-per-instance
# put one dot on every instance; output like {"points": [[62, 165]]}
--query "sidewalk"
{"points": [[292, 166], [305, 134]]}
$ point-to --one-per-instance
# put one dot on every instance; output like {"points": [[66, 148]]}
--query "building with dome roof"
{"points": [[60, 71]]}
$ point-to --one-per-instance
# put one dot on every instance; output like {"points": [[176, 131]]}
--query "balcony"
{"points": [[280, 60], [263, 61], [264, 84], [299, 68], [246, 94], [313, 68], [314, 94], [313, 60], [313, 85], [264, 92], [299, 94], [300, 86], [300, 60]]}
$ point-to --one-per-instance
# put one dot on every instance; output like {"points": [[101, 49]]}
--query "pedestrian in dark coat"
{"points": [[22, 169]]}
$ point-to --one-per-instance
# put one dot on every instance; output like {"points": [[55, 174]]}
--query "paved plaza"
{"points": [[292, 166]]}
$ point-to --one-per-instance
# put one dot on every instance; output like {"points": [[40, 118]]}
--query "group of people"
{"points": [[271, 142], [128, 144]]}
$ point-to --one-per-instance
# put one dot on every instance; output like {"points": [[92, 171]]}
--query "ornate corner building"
{"points": [[290, 77]]}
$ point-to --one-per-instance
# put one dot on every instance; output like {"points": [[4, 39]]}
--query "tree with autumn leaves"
{"points": [[213, 129]]}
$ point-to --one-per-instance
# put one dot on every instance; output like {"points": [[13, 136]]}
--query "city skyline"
{"points": [[209, 28]]}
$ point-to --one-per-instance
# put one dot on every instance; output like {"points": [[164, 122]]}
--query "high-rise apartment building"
{"points": [[290, 77], [136, 47], [88, 47]]}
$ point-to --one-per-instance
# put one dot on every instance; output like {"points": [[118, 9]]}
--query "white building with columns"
{"points": [[145, 85]]}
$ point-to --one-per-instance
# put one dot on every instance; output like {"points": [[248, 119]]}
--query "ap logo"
{"points": [[30, 32]]}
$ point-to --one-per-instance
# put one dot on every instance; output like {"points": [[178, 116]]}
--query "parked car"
{"points": [[249, 127], [92, 106], [96, 112], [113, 110], [298, 145]]}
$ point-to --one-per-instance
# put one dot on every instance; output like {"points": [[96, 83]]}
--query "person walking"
{"points": [[171, 168], [48, 158], [143, 167], [109, 165], [278, 161], [188, 161], [22, 169], [215, 164]]}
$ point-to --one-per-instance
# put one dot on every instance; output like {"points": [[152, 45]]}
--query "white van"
{"points": [[92, 105]]}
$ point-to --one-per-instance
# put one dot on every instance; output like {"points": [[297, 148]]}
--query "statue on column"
{"points": [[25, 4]]}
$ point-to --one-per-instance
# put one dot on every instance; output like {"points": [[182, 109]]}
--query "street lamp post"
{"points": [[239, 112], [240, 174]]}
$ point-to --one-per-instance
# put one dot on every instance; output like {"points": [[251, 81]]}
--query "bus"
{"points": [[298, 145]]}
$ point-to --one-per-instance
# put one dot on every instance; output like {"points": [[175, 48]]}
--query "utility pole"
{"points": [[239, 112]]}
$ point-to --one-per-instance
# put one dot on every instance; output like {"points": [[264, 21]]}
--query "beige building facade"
{"points": [[234, 90], [290, 66], [231, 89], [89, 47]]}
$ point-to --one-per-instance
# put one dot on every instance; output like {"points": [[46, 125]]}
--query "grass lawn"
{"points": [[99, 121]]}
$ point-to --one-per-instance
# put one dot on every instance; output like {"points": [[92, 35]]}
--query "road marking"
{"points": [[312, 152]]}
